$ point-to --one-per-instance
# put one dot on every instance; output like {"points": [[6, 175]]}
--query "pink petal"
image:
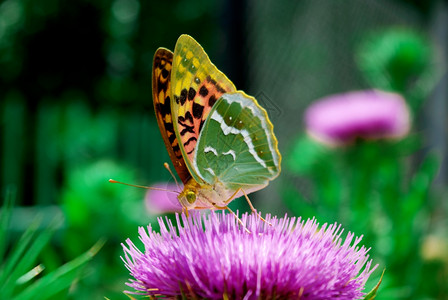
{"points": [[372, 114]]}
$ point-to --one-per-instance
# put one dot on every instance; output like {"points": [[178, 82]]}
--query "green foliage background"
{"points": [[76, 110]]}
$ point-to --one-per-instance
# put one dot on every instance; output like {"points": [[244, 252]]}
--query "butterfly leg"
{"points": [[234, 214], [238, 219], [185, 210], [231, 197], [253, 208]]}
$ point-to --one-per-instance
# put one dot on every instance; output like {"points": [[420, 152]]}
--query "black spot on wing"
{"points": [[218, 87], [176, 149], [182, 121], [211, 100], [191, 93], [183, 96], [162, 85], [169, 127], [172, 138], [189, 117], [157, 61], [164, 109], [203, 91], [200, 126], [186, 129], [165, 73], [212, 81], [190, 140], [198, 109]]}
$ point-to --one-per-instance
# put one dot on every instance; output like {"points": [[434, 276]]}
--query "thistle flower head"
{"points": [[212, 256], [372, 114]]}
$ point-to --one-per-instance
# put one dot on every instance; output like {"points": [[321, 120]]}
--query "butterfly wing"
{"points": [[196, 86], [161, 73], [237, 145]]}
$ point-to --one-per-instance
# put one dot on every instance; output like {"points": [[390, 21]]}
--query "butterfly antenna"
{"points": [[142, 186], [167, 166]]}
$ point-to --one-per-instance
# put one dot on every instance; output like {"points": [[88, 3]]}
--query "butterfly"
{"points": [[220, 140]]}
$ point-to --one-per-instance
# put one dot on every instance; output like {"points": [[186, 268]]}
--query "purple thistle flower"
{"points": [[159, 202], [211, 256], [372, 114]]}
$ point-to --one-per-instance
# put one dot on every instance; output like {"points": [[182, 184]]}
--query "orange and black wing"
{"points": [[161, 81]]}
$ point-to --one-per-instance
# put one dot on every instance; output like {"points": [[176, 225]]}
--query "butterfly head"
{"points": [[189, 195], [189, 198], [203, 195]]}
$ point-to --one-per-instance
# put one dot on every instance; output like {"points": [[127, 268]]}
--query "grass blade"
{"points": [[60, 278], [5, 217]]}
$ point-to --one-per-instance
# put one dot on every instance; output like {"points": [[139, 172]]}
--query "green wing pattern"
{"points": [[196, 84], [237, 145]]}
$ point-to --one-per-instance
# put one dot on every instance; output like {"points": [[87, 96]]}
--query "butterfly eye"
{"points": [[191, 197]]}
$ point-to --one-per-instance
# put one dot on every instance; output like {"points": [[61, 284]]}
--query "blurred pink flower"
{"points": [[159, 202], [371, 114]]}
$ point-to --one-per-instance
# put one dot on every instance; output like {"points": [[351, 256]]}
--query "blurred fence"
{"points": [[75, 78]]}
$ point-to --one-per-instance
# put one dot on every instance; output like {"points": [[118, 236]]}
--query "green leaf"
{"points": [[18, 268], [30, 275], [372, 294], [10, 262], [5, 217], [32, 252], [59, 279]]}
